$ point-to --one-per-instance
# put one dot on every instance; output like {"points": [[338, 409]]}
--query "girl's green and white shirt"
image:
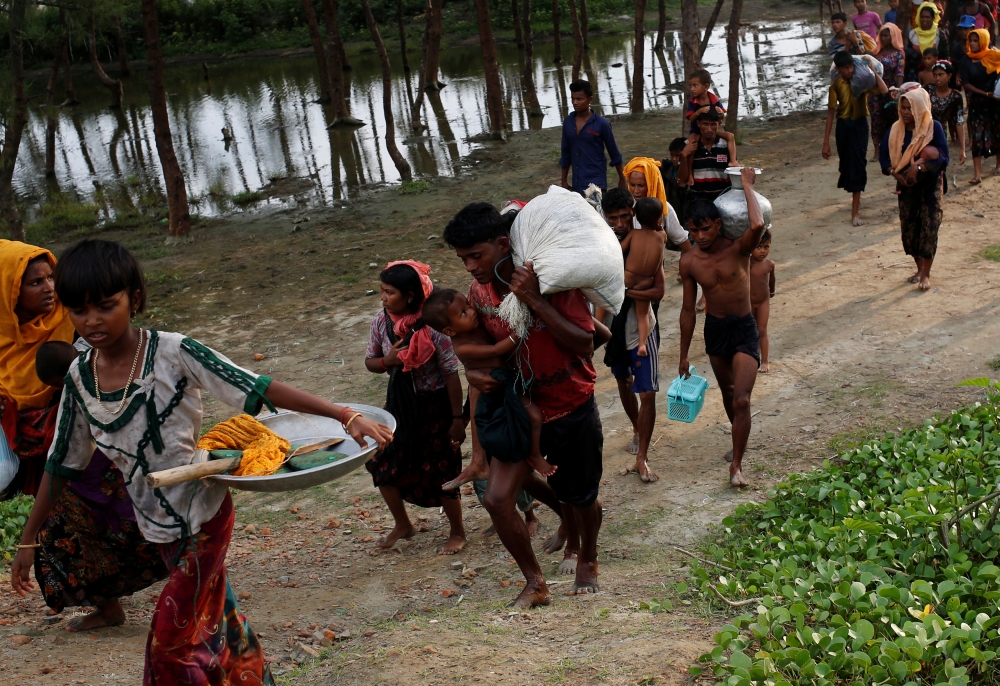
{"points": [[157, 430]]}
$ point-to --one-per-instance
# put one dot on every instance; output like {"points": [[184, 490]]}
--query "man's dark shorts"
{"points": [[726, 336], [575, 444]]}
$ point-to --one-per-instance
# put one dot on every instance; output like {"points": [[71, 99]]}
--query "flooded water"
{"points": [[279, 132]]}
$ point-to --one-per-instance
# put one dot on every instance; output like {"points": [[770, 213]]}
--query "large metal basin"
{"points": [[301, 428]]}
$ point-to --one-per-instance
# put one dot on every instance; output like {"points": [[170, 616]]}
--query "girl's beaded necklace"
{"points": [[131, 376]]}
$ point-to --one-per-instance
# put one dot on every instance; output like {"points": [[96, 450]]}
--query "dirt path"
{"points": [[855, 351]]}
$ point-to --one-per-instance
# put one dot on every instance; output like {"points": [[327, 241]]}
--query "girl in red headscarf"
{"points": [[425, 397]]}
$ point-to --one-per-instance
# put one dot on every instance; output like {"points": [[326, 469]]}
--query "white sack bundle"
{"points": [[569, 246]]}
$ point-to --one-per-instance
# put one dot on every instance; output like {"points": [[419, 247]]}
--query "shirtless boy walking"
{"points": [[721, 267]]}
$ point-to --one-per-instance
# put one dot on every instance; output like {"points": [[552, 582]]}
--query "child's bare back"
{"points": [[644, 255]]}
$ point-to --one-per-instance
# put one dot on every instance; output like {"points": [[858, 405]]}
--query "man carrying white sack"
{"points": [[557, 359]]}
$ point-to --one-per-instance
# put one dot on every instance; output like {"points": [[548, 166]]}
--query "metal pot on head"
{"points": [[732, 206]]}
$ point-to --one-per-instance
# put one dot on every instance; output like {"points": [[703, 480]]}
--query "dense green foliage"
{"points": [[13, 516], [880, 568]]}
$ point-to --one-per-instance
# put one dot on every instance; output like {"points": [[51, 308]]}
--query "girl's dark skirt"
{"points": [[422, 457]]}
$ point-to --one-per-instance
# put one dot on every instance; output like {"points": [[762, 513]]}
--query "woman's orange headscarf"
{"points": [[650, 168], [923, 130], [989, 57], [20, 342], [895, 37]]}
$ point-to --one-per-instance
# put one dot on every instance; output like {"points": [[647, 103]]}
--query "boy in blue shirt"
{"points": [[585, 135], [890, 14]]}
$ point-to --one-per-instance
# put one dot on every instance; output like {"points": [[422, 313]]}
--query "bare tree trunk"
{"points": [[708, 29], [494, 91], [114, 86], [70, 91], [577, 40], [661, 24], [50, 110], [516, 16], [402, 166], [528, 78], [432, 59], [334, 48], [322, 64], [15, 122], [638, 54], [690, 45], [402, 35], [733, 51], [415, 124], [903, 14], [173, 178], [584, 22], [555, 31], [116, 23], [338, 43]]}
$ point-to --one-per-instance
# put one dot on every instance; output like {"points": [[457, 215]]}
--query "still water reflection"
{"points": [[278, 131]]}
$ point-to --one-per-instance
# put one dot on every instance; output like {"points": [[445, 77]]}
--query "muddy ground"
{"points": [[855, 351]]}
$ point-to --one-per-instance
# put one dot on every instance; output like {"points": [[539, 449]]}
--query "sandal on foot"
{"points": [[975, 182]]}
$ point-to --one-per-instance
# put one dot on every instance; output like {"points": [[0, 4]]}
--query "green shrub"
{"points": [[879, 569], [62, 214], [13, 516], [246, 198], [414, 187]]}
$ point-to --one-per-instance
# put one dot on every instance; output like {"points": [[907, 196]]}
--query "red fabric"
{"points": [[29, 434], [560, 381], [198, 635], [421, 348]]}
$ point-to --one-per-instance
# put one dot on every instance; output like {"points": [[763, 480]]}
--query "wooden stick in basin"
{"points": [[190, 472]]}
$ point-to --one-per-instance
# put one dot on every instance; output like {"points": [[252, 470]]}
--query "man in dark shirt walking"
{"points": [[585, 135]]}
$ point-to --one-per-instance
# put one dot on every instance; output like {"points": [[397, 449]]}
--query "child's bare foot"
{"points": [[556, 541], [765, 367], [568, 565], [728, 457], [489, 532], [586, 579], [646, 475], [399, 531], [477, 469], [535, 593], [454, 544], [737, 479], [633, 447], [856, 220], [541, 465], [924, 283], [108, 614], [531, 521], [914, 279]]}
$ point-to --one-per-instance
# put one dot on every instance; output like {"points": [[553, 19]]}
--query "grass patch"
{"points": [[991, 252], [246, 198], [62, 214], [995, 364], [414, 187], [877, 569], [854, 438]]}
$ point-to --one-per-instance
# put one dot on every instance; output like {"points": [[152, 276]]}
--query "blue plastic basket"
{"points": [[685, 397]]}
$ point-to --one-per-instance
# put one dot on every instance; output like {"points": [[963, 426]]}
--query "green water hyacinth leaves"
{"points": [[878, 568]]}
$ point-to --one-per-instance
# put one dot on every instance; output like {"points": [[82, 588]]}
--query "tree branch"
{"points": [[734, 603], [708, 562]]}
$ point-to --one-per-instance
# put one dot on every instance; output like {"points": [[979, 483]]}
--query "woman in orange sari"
{"points": [[90, 551]]}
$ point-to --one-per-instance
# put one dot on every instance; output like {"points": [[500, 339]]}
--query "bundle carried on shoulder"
{"points": [[569, 246]]}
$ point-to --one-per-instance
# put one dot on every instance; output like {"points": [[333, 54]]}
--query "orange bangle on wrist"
{"points": [[347, 426]]}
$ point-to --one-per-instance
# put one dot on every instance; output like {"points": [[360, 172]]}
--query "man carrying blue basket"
{"points": [[721, 266]]}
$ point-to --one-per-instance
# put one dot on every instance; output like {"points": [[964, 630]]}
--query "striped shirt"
{"points": [[708, 169]]}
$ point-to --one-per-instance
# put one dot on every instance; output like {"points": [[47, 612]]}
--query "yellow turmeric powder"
{"points": [[263, 450]]}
